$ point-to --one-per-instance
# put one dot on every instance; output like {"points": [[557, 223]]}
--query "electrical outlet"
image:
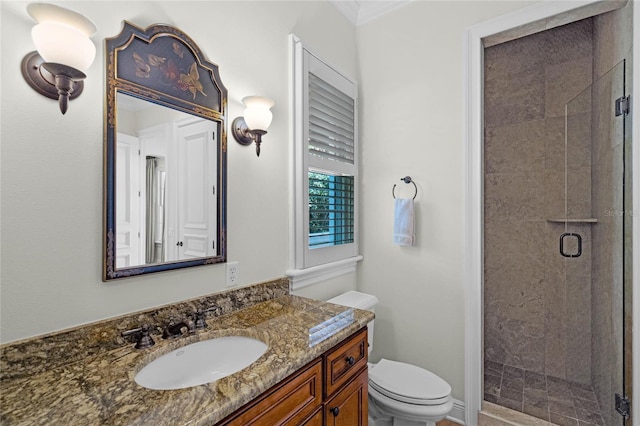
{"points": [[232, 274]]}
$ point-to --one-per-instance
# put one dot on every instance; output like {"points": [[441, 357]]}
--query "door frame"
{"points": [[474, 138]]}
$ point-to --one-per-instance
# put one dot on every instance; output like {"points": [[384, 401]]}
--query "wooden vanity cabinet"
{"points": [[331, 390]]}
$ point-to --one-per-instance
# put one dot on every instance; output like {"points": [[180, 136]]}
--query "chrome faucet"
{"points": [[174, 329]]}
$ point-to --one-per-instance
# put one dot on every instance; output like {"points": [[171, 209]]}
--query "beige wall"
{"points": [[410, 68], [412, 120], [52, 164]]}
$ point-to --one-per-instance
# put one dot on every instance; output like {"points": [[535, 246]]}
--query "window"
{"points": [[331, 211], [325, 169]]}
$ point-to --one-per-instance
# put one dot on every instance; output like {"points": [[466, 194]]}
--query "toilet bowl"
{"points": [[400, 394]]}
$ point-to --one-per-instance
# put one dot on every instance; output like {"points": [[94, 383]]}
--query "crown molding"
{"points": [[359, 12]]}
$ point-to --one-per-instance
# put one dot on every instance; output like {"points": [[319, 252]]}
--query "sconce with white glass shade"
{"points": [[254, 122], [64, 52]]}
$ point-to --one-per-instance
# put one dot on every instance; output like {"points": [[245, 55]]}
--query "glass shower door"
{"points": [[591, 249]]}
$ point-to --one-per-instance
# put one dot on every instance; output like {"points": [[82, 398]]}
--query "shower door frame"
{"points": [[474, 142]]}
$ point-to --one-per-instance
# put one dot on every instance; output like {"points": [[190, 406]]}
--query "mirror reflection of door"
{"points": [[127, 207], [165, 184], [196, 188]]}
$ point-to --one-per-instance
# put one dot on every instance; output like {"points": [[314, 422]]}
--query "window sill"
{"points": [[301, 278]]}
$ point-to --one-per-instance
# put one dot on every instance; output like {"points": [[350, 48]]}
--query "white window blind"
{"points": [[331, 138], [325, 164], [331, 122]]}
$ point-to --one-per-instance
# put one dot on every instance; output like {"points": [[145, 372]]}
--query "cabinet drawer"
{"points": [[286, 404], [343, 362]]}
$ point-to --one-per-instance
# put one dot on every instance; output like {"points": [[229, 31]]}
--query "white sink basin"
{"points": [[200, 363]]}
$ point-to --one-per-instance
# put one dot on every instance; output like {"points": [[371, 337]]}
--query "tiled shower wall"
{"points": [[534, 318]]}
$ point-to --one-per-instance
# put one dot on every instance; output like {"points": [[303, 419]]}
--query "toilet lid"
{"points": [[408, 383]]}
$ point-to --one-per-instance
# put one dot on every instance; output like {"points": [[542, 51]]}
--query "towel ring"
{"points": [[407, 180]]}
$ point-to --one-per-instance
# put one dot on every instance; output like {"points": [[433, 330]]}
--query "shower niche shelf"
{"points": [[578, 220]]}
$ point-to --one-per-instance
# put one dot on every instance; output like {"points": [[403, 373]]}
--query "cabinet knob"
{"points": [[335, 411], [351, 360], [179, 244]]}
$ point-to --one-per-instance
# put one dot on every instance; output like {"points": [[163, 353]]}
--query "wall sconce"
{"points": [[65, 51], [254, 122]]}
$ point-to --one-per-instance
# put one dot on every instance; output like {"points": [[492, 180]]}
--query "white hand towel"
{"points": [[403, 222]]}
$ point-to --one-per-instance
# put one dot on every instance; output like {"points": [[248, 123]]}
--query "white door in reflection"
{"points": [[128, 205], [196, 191]]}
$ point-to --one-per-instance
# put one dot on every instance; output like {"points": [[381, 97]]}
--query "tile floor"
{"points": [[545, 397], [446, 423]]}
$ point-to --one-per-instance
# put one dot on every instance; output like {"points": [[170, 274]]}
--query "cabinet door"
{"points": [[286, 404], [315, 420], [349, 407]]}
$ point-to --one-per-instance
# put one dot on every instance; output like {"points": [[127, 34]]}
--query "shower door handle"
{"points": [[570, 234]]}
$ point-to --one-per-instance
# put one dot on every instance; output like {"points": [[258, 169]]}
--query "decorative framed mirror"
{"points": [[165, 154]]}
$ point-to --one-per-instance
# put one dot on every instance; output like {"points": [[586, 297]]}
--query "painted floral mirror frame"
{"points": [[163, 66]]}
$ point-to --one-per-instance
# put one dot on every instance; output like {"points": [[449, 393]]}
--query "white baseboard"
{"points": [[457, 413]]}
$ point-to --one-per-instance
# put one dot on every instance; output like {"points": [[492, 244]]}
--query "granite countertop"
{"points": [[100, 390]]}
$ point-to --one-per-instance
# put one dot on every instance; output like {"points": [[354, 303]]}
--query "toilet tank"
{"points": [[355, 299]]}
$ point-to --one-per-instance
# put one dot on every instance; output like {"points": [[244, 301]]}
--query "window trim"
{"points": [[301, 272]]}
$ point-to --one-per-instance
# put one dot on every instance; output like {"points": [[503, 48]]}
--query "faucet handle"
{"points": [[198, 317], [144, 340]]}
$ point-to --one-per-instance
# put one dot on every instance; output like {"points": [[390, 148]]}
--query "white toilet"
{"points": [[400, 394]]}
